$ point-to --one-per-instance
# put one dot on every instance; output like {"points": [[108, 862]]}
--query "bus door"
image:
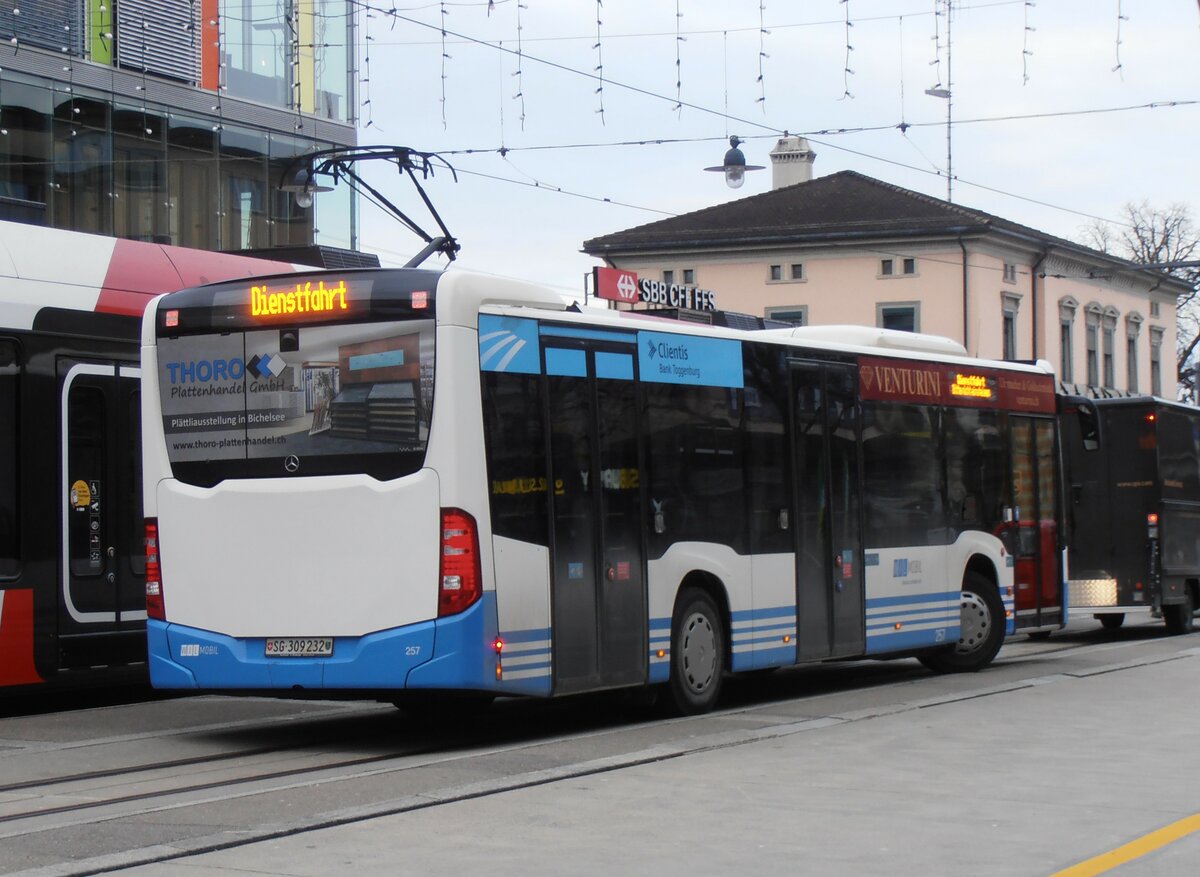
{"points": [[598, 588], [826, 484], [103, 557], [1037, 573]]}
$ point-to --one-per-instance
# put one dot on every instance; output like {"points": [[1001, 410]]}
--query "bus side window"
{"points": [[1089, 425]]}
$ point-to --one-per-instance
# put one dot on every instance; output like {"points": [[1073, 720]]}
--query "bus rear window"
{"points": [[298, 400]]}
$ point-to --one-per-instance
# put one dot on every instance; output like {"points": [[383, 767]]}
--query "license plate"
{"points": [[300, 647]]}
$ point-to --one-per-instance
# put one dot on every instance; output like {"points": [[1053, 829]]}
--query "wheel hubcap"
{"points": [[699, 652], [976, 623]]}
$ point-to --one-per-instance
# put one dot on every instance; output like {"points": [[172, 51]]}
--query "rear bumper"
{"points": [[444, 653]]}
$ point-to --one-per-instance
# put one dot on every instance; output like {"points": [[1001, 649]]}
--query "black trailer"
{"points": [[1132, 468]]}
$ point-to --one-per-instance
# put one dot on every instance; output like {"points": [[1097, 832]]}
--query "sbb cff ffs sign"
{"points": [[617, 284]]}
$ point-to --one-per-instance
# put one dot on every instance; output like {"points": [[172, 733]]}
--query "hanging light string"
{"points": [[599, 61], [679, 38], [1026, 52], [903, 126], [936, 63], [846, 71], [1120, 18], [520, 95], [365, 82], [445, 58], [762, 56]]}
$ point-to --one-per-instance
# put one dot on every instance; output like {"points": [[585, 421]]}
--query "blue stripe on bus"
{"points": [[553, 331], [780, 656], [768, 612], [509, 654], [531, 635], [942, 620], [910, 613], [902, 640], [876, 602]]}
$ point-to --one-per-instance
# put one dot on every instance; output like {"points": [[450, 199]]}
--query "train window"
{"points": [[1089, 425], [9, 517]]}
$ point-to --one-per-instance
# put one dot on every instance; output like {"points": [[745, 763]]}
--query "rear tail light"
{"points": [[462, 583], [154, 595]]}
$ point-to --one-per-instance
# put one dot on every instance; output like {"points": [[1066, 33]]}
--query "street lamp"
{"points": [[735, 166], [303, 186]]}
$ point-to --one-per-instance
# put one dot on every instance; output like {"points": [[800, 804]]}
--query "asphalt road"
{"points": [[1064, 750]]}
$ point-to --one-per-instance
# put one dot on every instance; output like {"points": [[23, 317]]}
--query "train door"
{"points": [[103, 560], [1038, 572], [827, 485], [598, 590]]}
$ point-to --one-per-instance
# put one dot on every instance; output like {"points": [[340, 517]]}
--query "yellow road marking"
{"points": [[1134, 849]]}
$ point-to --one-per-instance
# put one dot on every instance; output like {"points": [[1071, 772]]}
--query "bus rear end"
{"points": [[296, 537]]}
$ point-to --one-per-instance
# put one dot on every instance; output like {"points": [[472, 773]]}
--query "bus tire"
{"points": [[1111, 621], [981, 631], [697, 653], [1181, 617]]}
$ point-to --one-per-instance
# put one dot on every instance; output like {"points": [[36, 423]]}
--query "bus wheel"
{"points": [[1113, 621], [1180, 617], [981, 630], [697, 653]]}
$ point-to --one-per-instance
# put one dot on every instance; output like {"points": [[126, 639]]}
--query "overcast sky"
{"points": [[1065, 61]]}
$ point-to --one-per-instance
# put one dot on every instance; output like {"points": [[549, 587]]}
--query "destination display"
{"points": [[898, 380]]}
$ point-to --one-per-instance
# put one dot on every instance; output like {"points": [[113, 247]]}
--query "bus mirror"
{"points": [[783, 519], [660, 524], [289, 340]]}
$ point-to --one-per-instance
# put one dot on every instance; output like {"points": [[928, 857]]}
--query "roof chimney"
{"points": [[791, 162]]}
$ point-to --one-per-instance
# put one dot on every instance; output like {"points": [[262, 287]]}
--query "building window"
{"points": [[1010, 272], [668, 277], [1093, 345], [1110, 340], [1066, 344], [1010, 303], [902, 315], [888, 267], [1133, 328], [1156, 341], [791, 272], [797, 315], [689, 276]]}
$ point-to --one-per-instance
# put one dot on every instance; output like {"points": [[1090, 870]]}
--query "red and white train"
{"points": [[72, 561]]}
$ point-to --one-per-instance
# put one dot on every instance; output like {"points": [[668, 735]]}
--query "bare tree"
{"points": [[1166, 239]]}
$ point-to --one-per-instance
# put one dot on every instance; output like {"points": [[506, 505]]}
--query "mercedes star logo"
{"points": [[291, 463]]}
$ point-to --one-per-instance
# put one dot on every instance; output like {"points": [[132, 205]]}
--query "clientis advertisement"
{"points": [[926, 383]]}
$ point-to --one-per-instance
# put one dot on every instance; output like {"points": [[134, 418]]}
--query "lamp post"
{"points": [[735, 166]]}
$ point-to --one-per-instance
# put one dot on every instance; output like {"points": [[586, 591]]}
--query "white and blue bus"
{"points": [[371, 483]]}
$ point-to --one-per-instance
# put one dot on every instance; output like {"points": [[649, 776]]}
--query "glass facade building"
{"points": [[174, 120]]}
